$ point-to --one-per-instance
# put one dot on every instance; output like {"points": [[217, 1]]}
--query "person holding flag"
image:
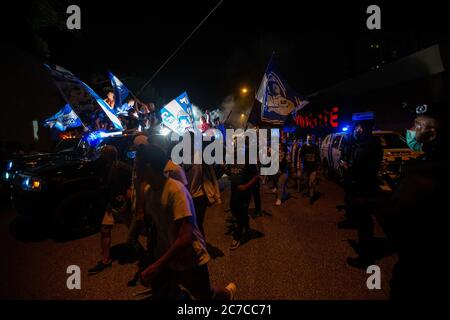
{"points": [[82, 99], [121, 92], [123, 109], [110, 99]]}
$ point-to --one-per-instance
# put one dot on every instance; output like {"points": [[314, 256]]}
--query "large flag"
{"points": [[177, 115], [83, 100], [105, 107], [277, 99], [64, 119], [121, 92]]}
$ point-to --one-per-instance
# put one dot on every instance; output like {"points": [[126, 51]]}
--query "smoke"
{"points": [[233, 110], [197, 112], [228, 104], [236, 110], [216, 113]]}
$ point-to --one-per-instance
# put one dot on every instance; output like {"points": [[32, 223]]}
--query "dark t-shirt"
{"points": [[240, 174], [118, 180], [365, 164], [310, 157]]}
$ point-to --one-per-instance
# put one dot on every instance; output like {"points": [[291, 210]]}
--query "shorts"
{"points": [[116, 212]]}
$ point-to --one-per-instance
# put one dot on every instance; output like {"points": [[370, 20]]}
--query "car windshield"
{"points": [[392, 141], [122, 144], [67, 145]]}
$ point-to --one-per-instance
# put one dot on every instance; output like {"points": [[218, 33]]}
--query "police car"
{"points": [[395, 154]]}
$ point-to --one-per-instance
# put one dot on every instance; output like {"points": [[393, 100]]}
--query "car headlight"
{"points": [[7, 175], [31, 183]]}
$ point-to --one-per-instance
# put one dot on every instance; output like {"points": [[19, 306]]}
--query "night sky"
{"points": [[317, 44]]}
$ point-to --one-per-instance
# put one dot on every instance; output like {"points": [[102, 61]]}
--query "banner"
{"points": [[120, 91], [105, 107], [177, 115], [64, 119], [82, 99], [277, 99]]}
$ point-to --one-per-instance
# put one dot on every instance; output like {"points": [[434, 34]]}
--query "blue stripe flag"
{"points": [[121, 92], [64, 119]]}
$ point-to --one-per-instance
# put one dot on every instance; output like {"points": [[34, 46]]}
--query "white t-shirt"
{"points": [[174, 171], [165, 207]]}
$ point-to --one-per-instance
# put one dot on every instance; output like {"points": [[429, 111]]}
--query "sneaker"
{"points": [[231, 287], [235, 244], [278, 203], [100, 267]]}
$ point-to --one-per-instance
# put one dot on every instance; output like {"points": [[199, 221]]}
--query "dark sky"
{"points": [[317, 43]]}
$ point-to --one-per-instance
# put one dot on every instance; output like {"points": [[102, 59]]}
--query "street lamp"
{"points": [[244, 90]]}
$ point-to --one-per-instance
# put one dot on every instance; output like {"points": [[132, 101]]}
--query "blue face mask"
{"points": [[412, 142]]}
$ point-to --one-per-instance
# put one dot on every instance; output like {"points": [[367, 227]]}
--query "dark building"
{"points": [[418, 78]]}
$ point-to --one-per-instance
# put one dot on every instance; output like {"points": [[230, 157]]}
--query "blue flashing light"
{"points": [[345, 129], [363, 116], [9, 165], [26, 183]]}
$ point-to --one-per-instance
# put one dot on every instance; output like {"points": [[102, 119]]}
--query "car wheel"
{"points": [[78, 214]]}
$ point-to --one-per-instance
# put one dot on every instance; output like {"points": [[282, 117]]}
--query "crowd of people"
{"points": [[133, 113], [168, 203]]}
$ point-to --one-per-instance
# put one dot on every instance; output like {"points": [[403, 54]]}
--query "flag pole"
{"points": [[178, 48]]}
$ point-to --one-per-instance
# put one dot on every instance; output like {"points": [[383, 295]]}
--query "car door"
{"points": [[336, 151], [324, 147]]}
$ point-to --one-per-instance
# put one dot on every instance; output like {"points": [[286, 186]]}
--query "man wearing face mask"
{"points": [[415, 220], [366, 156]]}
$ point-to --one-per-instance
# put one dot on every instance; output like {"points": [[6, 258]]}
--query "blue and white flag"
{"points": [[277, 99], [83, 100], [105, 107], [121, 92], [177, 115], [64, 119]]}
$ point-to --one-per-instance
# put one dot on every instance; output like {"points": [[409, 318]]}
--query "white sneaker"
{"points": [[231, 287], [278, 203]]}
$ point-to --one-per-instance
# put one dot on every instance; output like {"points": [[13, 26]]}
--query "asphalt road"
{"points": [[296, 252]]}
